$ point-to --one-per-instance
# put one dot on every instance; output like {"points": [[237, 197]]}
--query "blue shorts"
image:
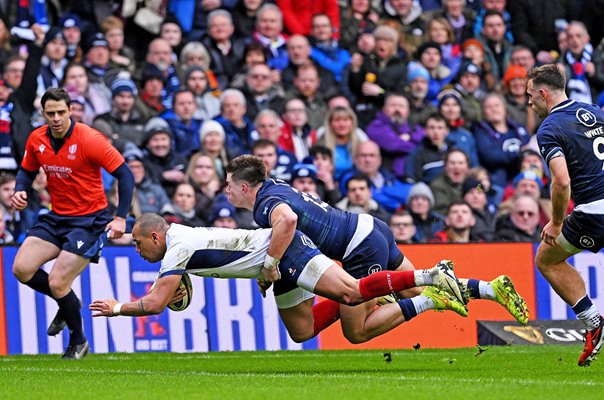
{"points": [[377, 252], [584, 231], [296, 257], [84, 235]]}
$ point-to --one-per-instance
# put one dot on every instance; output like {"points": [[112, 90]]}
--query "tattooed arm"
{"points": [[154, 302]]}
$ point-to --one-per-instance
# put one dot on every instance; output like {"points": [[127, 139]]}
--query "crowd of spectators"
{"points": [[413, 111]]}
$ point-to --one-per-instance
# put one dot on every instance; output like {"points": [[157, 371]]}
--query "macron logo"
{"points": [[41, 148], [80, 243], [265, 210]]}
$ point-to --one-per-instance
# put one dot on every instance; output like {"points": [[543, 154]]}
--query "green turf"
{"points": [[523, 372]]}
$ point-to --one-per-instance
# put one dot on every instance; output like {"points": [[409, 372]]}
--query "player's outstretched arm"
{"points": [[164, 293]]}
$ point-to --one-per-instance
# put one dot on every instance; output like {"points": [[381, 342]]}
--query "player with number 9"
{"points": [[570, 140]]}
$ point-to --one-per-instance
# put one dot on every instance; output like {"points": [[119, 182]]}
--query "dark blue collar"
{"points": [[58, 143]]}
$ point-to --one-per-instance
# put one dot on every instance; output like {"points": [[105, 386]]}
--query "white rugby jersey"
{"points": [[215, 252]]}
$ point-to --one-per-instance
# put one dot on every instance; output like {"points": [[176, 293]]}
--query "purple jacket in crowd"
{"points": [[396, 141]]}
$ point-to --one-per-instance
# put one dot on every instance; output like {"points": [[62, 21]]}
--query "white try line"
{"points": [[297, 375]]}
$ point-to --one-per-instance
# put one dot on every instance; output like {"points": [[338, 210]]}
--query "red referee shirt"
{"points": [[74, 172]]}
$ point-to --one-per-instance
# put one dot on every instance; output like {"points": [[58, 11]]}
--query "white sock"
{"points": [[485, 290], [590, 317], [422, 303], [423, 277]]}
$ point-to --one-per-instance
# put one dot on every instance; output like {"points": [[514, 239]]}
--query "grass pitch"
{"points": [[498, 372]]}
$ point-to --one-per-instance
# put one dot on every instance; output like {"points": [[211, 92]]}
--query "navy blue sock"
{"points": [[70, 309], [39, 283], [582, 305], [408, 309], [473, 288]]}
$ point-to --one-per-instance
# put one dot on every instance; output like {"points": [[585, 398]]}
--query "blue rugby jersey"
{"points": [[576, 131], [329, 228]]}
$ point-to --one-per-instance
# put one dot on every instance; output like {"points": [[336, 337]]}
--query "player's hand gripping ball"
{"points": [[185, 284]]}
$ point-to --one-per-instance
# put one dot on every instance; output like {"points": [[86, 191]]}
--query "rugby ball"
{"points": [[185, 282]]}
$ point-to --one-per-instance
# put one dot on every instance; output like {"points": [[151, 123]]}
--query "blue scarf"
{"points": [[577, 84]]}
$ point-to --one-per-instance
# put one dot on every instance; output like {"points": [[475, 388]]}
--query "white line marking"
{"points": [[298, 375]]}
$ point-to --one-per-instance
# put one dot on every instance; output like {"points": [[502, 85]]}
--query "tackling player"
{"points": [[363, 244], [571, 140], [72, 155]]}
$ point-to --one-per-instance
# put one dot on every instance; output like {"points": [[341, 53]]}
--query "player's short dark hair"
{"points": [[56, 94], [150, 222], [548, 75], [247, 168], [262, 143]]}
